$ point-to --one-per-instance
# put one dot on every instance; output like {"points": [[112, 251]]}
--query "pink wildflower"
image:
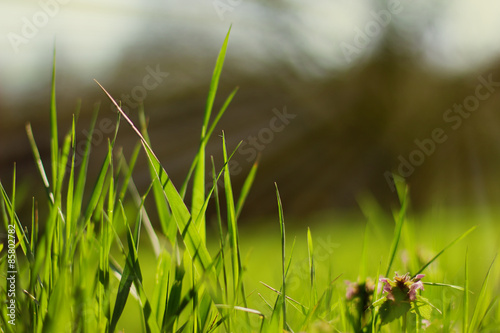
{"points": [[403, 288]]}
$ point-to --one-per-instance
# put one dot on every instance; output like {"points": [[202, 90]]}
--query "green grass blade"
{"points": [[205, 140], [239, 308], [486, 313], [104, 272], [437, 284], [83, 161], [128, 183], [167, 221], [53, 124], [231, 218], [173, 306], [314, 309], [121, 296], [219, 115], [70, 192], [160, 295], [397, 231], [128, 170], [127, 278], [214, 84], [13, 203], [199, 192], [312, 268], [132, 274], [98, 187], [374, 214], [245, 190], [39, 163], [465, 321], [199, 175], [459, 238], [62, 164], [237, 268], [34, 225], [221, 232], [21, 235], [64, 228], [481, 303], [203, 208], [364, 256], [283, 259], [58, 318]]}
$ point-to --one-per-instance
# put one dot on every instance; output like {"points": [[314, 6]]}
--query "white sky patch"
{"points": [[465, 36], [322, 26], [89, 37]]}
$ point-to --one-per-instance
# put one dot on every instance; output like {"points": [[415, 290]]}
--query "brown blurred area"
{"points": [[346, 128]]}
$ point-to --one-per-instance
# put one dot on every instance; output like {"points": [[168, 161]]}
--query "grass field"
{"points": [[95, 263]]}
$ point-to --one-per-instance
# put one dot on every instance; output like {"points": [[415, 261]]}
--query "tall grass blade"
{"points": [[283, 241], [231, 221], [199, 176], [205, 140], [54, 145]]}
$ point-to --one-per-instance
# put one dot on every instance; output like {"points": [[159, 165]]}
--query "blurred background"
{"points": [[333, 95]]}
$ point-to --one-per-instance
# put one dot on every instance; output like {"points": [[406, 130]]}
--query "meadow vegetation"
{"points": [[95, 263]]}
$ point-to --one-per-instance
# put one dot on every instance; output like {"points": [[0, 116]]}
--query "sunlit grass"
{"points": [[96, 264]]}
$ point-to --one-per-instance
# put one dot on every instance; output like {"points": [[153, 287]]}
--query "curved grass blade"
{"points": [[239, 308], [435, 284], [39, 163], [444, 249]]}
